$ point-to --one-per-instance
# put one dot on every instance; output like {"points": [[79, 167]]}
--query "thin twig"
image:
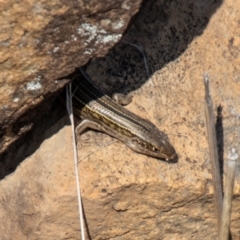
{"points": [[70, 113], [108, 144], [140, 49], [228, 195], [212, 141]]}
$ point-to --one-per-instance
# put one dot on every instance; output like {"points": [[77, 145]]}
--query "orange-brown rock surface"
{"points": [[41, 41], [128, 195]]}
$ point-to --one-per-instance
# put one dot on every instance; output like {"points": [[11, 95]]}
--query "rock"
{"points": [[127, 195], [43, 41]]}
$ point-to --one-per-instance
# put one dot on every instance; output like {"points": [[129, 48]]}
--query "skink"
{"points": [[99, 112]]}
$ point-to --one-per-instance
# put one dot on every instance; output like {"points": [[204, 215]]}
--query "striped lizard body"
{"points": [[99, 112]]}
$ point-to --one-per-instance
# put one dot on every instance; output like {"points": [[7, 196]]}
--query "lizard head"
{"points": [[155, 144]]}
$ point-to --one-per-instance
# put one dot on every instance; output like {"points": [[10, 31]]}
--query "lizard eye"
{"points": [[154, 149]]}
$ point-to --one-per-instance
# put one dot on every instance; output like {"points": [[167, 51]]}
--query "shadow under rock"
{"points": [[49, 118], [164, 29]]}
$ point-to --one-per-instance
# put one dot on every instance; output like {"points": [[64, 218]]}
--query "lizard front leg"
{"points": [[122, 99]]}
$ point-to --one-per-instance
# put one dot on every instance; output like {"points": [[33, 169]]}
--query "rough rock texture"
{"points": [[127, 195], [41, 41]]}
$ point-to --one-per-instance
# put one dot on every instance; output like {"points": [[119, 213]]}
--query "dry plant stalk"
{"points": [[228, 195], [70, 113], [212, 142]]}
